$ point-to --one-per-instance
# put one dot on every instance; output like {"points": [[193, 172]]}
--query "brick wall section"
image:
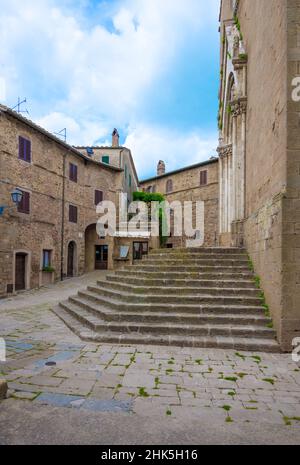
{"points": [[186, 187]]}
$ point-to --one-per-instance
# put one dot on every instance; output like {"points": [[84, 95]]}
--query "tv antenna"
{"points": [[18, 106], [62, 134]]}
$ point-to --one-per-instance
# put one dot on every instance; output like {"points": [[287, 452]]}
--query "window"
{"points": [[24, 205], [73, 172], [47, 258], [98, 197], [139, 250], [125, 171], [105, 159], [129, 181], [169, 186], [73, 214], [203, 178], [24, 149]]}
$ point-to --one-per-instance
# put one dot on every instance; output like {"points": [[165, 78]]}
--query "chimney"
{"points": [[115, 138], [161, 168]]}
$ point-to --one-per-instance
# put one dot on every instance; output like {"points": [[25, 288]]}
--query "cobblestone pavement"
{"points": [[47, 365]]}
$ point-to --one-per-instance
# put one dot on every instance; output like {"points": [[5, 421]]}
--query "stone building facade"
{"points": [[192, 183], [52, 233], [259, 173]]}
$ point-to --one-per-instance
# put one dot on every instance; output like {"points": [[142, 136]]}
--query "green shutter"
{"points": [[105, 159]]}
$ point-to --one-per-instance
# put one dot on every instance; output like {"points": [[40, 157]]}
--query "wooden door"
{"points": [[71, 251], [20, 272], [101, 257]]}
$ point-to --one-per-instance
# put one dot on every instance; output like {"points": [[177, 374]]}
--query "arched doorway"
{"points": [[96, 250], [71, 259]]}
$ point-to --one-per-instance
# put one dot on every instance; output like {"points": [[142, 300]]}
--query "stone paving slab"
{"points": [[206, 385]]}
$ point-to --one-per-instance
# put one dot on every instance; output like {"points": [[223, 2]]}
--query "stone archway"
{"points": [[97, 250]]}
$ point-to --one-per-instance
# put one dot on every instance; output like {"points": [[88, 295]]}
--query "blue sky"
{"points": [[149, 68]]}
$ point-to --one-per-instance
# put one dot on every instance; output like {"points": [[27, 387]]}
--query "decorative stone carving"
{"points": [[224, 151], [238, 106]]}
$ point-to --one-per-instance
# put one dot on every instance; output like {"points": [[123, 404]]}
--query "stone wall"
{"points": [[290, 326], [266, 145], [46, 178], [186, 187]]}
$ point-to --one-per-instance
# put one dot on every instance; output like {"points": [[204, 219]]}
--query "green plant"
{"points": [[269, 380], [143, 392], [243, 56], [227, 408], [257, 281], [48, 269], [168, 412], [229, 109], [231, 378], [238, 26], [229, 55], [229, 420]]}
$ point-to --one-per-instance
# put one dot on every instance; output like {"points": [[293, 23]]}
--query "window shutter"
{"points": [[27, 202], [24, 149], [72, 214], [98, 197], [73, 172], [21, 148], [24, 205], [27, 155], [203, 178]]}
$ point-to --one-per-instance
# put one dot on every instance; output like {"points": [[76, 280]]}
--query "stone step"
{"points": [[229, 330], [118, 305], [109, 314], [144, 266], [200, 298], [195, 256], [175, 275], [253, 344], [180, 283], [180, 291], [195, 262], [201, 250]]}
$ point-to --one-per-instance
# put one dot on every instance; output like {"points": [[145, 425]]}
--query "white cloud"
{"points": [[149, 145], [83, 133], [97, 78]]}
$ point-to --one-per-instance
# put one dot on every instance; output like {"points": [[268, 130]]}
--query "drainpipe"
{"points": [[63, 222]]}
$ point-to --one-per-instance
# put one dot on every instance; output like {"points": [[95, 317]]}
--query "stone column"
{"points": [[221, 199]]}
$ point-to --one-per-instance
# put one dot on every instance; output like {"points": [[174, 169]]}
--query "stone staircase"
{"points": [[184, 297]]}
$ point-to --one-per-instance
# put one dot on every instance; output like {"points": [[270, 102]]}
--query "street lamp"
{"points": [[16, 197]]}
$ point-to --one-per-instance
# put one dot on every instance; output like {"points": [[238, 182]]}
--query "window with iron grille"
{"points": [[73, 172], [24, 205], [203, 178], [73, 214], [24, 149]]}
